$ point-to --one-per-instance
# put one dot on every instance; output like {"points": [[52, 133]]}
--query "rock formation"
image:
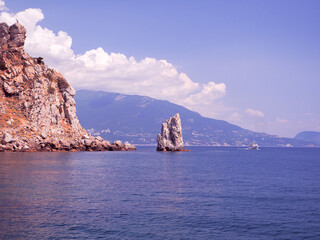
{"points": [[170, 138], [37, 106]]}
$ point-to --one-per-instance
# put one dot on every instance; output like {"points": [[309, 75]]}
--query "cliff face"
{"points": [[170, 138], [37, 106]]}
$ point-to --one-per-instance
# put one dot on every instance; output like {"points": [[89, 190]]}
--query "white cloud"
{"points": [[97, 69], [234, 118], [208, 93], [41, 41], [282, 120], [254, 113], [3, 6]]}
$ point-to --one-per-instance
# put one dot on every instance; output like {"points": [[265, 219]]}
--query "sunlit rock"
{"points": [[170, 138], [37, 106]]}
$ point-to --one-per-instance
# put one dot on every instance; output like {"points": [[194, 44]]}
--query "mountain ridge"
{"points": [[310, 136], [138, 118]]}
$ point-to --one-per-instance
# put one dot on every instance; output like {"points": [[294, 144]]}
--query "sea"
{"points": [[207, 193]]}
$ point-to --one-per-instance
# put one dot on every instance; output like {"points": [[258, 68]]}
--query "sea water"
{"points": [[208, 193]]}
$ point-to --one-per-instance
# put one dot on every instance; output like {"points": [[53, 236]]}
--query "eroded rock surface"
{"points": [[37, 106], [170, 138]]}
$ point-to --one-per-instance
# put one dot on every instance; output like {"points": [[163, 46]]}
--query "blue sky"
{"points": [[266, 53]]}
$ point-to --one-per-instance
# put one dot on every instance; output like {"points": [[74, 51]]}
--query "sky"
{"points": [[252, 63]]}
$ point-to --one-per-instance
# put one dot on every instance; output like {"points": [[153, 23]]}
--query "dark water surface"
{"points": [[208, 193]]}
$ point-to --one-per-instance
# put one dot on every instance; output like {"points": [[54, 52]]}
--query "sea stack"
{"points": [[170, 138], [37, 106]]}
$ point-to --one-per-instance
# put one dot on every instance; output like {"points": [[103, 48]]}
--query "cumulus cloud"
{"points": [[282, 120], [97, 69], [41, 41], [207, 94], [234, 117], [3, 6], [254, 113]]}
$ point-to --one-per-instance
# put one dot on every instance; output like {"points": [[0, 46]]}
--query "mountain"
{"points": [[139, 118], [37, 106], [310, 136]]}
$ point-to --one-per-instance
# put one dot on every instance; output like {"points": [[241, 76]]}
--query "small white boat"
{"points": [[253, 146]]}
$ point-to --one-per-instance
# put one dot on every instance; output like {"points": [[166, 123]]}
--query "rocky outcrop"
{"points": [[170, 138], [37, 106]]}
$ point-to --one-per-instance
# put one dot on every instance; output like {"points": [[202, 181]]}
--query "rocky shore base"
{"points": [[85, 143]]}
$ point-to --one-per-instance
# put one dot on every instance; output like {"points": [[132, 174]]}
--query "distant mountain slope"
{"points": [[310, 136], [117, 116]]}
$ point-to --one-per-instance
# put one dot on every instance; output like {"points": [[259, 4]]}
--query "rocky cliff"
{"points": [[37, 106], [170, 138]]}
